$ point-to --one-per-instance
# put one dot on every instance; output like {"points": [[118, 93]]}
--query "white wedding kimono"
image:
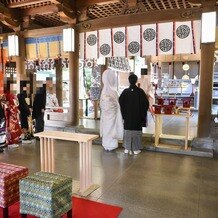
{"points": [[51, 100], [111, 122]]}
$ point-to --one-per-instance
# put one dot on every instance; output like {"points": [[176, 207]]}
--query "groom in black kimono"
{"points": [[134, 106]]}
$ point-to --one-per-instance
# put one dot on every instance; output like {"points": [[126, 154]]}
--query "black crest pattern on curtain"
{"points": [[92, 39], [149, 34], [133, 47], [119, 37], [105, 49], [183, 31], [165, 45]]}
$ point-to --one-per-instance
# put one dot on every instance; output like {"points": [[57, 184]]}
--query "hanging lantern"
{"points": [[68, 40], [13, 45], [185, 67], [208, 29]]}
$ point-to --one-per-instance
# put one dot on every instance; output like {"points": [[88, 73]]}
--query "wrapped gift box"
{"points": [[160, 101], [9, 183], [46, 195], [157, 109], [186, 102], [172, 101], [168, 109]]}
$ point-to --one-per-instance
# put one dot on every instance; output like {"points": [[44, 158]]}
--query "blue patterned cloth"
{"points": [[46, 195]]}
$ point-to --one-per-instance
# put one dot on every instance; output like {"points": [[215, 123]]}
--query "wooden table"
{"points": [[159, 124], [85, 151]]}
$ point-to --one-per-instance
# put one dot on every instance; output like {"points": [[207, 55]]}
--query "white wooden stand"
{"points": [[47, 153], [159, 124]]}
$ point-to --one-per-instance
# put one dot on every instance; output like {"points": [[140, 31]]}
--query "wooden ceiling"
{"points": [[18, 15]]}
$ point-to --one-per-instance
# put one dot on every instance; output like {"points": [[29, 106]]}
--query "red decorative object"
{"points": [[186, 102], [59, 110], [172, 101], [168, 109], [160, 101], [157, 109]]}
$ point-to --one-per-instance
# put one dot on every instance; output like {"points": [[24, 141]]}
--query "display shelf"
{"points": [[168, 136], [179, 98], [159, 125], [57, 116]]}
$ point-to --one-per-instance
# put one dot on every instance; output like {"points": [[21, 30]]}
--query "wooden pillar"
{"points": [[206, 89], [20, 62], [59, 81], [74, 82], [206, 80]]}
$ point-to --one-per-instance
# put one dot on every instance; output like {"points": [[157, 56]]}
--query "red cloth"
{"points": [[82, 208], [13, 130]]}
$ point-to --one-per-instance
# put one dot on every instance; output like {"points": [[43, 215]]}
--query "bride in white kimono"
{"points": [[111, 122]]}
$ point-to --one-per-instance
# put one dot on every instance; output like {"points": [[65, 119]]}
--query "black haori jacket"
{"points": [[39, 103], [134, 106]]}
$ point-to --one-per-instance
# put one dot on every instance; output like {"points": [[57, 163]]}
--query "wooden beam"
{"points": [[56, 2], [5, 11], [142, 7], [132, 3], [157, 6], [41, 10], [177, 4], [149, 4], [67, 4], [142, 18], [28, 23], [164, 6], [66, 17], [10, 23], [184, 4], [39, 32], [195, 2], [44, 32], [18, 4], [82, 15], [123, 9], [208, 5], [70, 15], [9, 17], [176, 58], [170, 4], [12, 14], [87, 3]]}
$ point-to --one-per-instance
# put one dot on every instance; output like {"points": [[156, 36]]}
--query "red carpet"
{"points": [[82, 208]]}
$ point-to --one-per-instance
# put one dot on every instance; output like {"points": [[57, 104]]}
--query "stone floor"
{"points": [[146, 185], [150, 184]]}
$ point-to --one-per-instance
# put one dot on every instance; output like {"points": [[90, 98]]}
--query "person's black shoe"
{"points": [[37, 138]]}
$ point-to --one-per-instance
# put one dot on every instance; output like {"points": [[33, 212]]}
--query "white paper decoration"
{"points": [[119, 42], [133, 41], [149, 39], [105, 49], [91, 45]]}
